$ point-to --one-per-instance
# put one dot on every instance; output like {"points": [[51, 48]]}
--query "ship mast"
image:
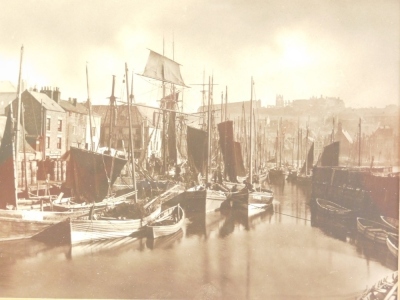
{"points": [[132, 154]]}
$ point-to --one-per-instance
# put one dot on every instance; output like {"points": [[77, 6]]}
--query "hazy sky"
{"points": [[347, 49]]}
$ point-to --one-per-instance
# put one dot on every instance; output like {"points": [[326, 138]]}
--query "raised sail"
{"points": [[162, 68], [310, 160], [91, 173], [197, 148], [8, 187]]}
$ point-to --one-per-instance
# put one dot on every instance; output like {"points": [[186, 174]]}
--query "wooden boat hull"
{"points": [[253, 200], [23, 224], [67, 204], [156, 231], [202, 200], [333, 210], [373, 231], [392, 243], [260, 200], [93, 230]]}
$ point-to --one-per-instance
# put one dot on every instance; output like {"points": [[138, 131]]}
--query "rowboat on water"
{"points": [[168, 222], [69, 204], [331, 209], [391, 222], [386, 288], [374, 231], [107, 227], [392, 242]]}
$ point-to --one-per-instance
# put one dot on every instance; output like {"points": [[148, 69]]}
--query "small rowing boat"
{"points": [[168, 222], [374, 231], [331, 209]]}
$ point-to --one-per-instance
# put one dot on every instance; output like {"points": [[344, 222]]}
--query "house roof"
{"points": [[79, 108], [46, 101]]}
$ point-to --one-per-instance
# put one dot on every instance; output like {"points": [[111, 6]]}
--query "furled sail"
{"points": [[310, 161], [162, 68], [172, 152], [8, 186], [197, 148], [91, 173]]}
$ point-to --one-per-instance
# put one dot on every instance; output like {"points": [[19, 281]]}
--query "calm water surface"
{"points": [[285, 253]]}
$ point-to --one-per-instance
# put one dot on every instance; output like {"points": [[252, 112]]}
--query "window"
{"points": [[84, 131], [93, 131], [48, 119], [58, 143], [74, 129], [59, 125], [47, 142]]}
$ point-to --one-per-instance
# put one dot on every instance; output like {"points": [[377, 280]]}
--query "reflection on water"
{"points": [[282, 253]]}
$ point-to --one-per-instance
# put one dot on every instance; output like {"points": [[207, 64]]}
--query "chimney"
{"points": [[56, 95], [45, 90], [74, 101]]}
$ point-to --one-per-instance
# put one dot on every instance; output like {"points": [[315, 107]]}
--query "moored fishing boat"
{"points": [[24, 224], [331, 209], [200, 199], [107, 227], [374, 231], [68, 204], [123, 220], [392, 242], [168, 222]]}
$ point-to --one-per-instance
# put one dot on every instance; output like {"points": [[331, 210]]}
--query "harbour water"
{"points": [[283, 253]]}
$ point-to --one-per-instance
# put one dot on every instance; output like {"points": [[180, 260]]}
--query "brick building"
{"points": [[45, 122]]}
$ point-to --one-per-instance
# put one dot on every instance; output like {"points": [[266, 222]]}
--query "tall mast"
{"points": [[251, 126], [90, 109], [112, 104], [164, 140], [226, 103], [132, 154], [18, 129], [359, 143], [208, 128], [307, 150]]}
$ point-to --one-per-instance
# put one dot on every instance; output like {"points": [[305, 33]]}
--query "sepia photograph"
{"points": [[186, 149]]}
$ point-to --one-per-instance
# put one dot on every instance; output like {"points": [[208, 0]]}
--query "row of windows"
{"points": [[59, 124], [59, 142]]}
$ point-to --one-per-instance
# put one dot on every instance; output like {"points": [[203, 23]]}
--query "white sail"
{"points": [[164, 69]]}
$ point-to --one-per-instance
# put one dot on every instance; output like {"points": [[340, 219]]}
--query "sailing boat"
{"points": [[124, 219], [247, 197], [199, 198], [91, 175]]}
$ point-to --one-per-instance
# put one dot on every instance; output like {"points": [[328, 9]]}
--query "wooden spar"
{"points": [[171, 110], [251, 125], [90, 128], [359, 143], [18, 108], [132, 154], [90, 109], [226, 103], [112, 103], [208, 129], [24, 150]]}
